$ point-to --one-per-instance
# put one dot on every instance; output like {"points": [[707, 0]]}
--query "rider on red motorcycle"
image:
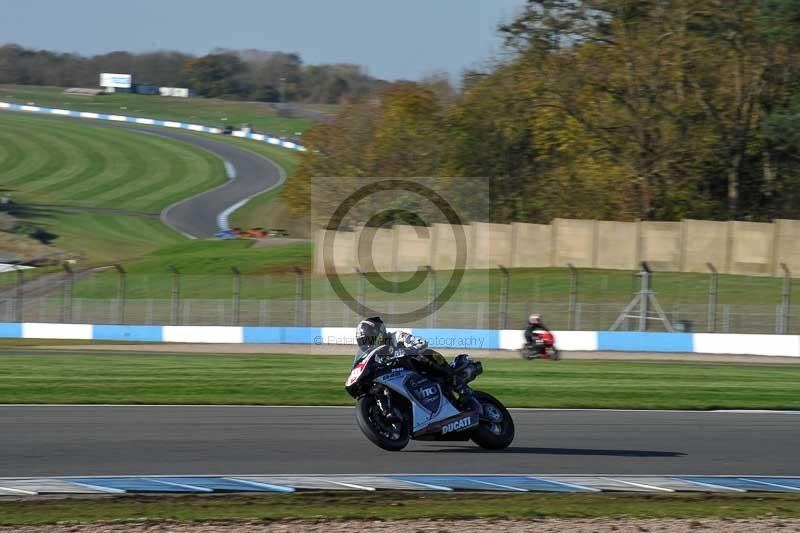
{"points": [[534, 325]]}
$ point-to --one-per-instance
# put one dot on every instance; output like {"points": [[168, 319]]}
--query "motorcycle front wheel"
{"points": [[495, 430], [389, 431]]}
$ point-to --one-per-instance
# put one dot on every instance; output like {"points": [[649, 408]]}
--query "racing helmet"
{"points": [[371, 332]]}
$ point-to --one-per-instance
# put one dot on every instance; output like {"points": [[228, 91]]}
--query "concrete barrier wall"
{"points": [[787, 246], [705, 242], [342, 248], [413, 248], [151, 122], [444, 249], [531, 245], [661, 245], [752, 248], [744, 248], [466, 339], [574, 242], [375, 250], [492, 245], [617, 245]]}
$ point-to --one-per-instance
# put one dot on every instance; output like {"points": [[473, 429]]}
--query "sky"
{"points": [[405, 39]]}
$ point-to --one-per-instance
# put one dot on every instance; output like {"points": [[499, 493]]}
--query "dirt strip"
{"points": [[332, 349], [597, 525]]}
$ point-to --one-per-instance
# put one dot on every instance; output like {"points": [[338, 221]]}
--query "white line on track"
{"points": [[230, 170], [222, 218], [640, 485]]}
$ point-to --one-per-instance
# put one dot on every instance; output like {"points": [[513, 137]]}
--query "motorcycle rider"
{"points": [[390, 348], [534, 325]]}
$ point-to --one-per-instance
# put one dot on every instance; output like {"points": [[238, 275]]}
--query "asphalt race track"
{"points": [[197, 216], [197, 440]]}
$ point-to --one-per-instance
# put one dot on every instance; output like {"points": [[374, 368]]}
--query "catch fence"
{"points": [[568, 300]]}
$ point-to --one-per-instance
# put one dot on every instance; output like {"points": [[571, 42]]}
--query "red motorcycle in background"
{"points": [[543, 347]]}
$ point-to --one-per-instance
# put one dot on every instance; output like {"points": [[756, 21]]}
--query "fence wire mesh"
{"points": [[481, 302], [333, 313]]}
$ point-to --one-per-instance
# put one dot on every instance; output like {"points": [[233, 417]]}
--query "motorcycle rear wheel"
{"points": [[392, 435], [496, 428]]}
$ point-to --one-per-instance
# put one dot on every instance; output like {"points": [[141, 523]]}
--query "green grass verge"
{"points": [[207, 111], [84, 165], [205, 266], [318, 380], [78, 164], [67, 163], [103, 238], [395, 506]]}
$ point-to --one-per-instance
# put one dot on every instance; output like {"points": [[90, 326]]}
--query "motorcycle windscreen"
{"points": [[437, 358]]}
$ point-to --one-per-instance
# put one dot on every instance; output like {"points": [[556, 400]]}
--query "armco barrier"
{"points": [[150, 122], [459, 339]]}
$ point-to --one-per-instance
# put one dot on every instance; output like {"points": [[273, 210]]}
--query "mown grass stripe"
{"points": [[94, 163], [317, 380], [95, 166]]}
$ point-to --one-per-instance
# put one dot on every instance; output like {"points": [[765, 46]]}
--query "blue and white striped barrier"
{"points": [[508, 483], [463, 339], [150, 122]]}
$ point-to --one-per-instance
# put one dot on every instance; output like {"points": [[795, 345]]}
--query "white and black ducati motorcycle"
{"points": [[403, 402]]}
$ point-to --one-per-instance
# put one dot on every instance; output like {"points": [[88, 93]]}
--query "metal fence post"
{"points": [[431, 297], [299, 298], [362, 293], [712, 299], [120, 294], [573, 295], [237, 294], [504, 287], [645, 300], [786, 299], [174, 316], [726, 318], [66, 301], [19, 299]]}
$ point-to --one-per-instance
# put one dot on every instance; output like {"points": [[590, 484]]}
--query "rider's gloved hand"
{"points": [[415, 343]]}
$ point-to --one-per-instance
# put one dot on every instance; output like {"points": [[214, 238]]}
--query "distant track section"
{"points": [[205, 214]]}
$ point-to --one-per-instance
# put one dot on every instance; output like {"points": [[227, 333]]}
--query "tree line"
{"points": [[612, 109], [243, 74]]}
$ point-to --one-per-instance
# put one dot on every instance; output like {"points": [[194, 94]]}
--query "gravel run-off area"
{"points": [[594, 525]]}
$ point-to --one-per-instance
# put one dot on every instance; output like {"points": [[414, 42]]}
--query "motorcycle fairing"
{"points": [[358, 369], [426, 392], [429, 405]]}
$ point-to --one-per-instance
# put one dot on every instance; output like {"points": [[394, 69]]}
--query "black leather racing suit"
{"points": [[415, 349]]}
